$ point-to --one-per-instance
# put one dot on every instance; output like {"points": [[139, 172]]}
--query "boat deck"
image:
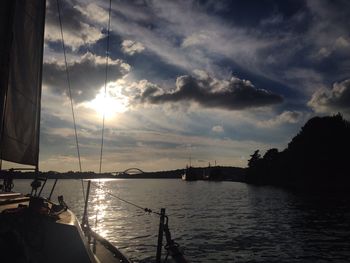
{"points": [[59, 235]]}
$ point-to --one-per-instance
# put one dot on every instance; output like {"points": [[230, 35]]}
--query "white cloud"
{"points": [[132, 47], [87, 35], [331, 101], [286, 117], [218, 129], [195, 39], [87, 75], [78, 28], [340, 44], [94, 12], [199, 37]]}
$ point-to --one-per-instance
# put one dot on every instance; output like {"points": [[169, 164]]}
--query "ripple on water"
{"points": [[218, 222]]}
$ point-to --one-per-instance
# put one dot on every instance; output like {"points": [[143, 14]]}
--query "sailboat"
{"points": [[33, 228], [190, 173]]}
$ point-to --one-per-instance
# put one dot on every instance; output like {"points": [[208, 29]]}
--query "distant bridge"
{"points": [[130, 171]]}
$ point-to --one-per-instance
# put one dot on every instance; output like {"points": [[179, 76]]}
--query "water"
{"points": [[217, 221]]}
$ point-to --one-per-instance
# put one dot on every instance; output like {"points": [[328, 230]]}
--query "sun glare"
{"points": [[110, 104]]}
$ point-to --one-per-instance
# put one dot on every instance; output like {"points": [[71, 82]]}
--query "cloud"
{"points": [[195, 39], [94, 12], [329, 31], [340, 44], [78, 28], [168, 30], [87, 75], [218, 129], [306, 79], [290, 117], [229, 94], [131, 47], [285, 48], [329, 101]]}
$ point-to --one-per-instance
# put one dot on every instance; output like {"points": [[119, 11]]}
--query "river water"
{"points": [[216, 221]]}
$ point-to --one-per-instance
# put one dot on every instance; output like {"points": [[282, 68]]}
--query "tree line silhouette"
{"points": [[318, 156]]}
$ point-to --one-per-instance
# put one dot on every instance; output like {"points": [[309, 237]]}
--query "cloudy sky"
{"points": [[214, 80]]}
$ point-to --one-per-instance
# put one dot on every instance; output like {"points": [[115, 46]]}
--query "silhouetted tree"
{"points": [[255, 157], [255, 164], [316, 156], [271, 155]]}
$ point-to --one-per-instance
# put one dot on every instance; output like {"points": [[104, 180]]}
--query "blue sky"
{"points": [[214, 80]]}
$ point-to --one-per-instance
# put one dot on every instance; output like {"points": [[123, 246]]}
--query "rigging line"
{"points": [[106, 78], [69, 86], [145, 209], [125, 201]]}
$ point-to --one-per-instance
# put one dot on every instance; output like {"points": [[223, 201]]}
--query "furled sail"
{"points": [[21, 57]]}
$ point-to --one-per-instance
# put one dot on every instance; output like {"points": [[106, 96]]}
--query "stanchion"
{"points": [[160, 235], [85, 221]]}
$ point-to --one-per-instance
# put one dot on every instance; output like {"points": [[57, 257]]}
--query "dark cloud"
{"points": [[336, 99], [237, 10], [69, 15], [231, 94], [87, 76]]}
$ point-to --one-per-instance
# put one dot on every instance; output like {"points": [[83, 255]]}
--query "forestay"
{"points": [[21, 57]]}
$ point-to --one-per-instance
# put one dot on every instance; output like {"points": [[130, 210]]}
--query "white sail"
{"points": [[21, 69]]}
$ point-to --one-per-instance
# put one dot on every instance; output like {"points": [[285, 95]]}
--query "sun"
{"points": [[109, 104]]}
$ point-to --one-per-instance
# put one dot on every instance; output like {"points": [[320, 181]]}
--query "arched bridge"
{"points": [[131, 171]]}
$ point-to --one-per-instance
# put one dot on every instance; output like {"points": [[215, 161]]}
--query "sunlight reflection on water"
{"points": [[98, 209], [217, 222]]}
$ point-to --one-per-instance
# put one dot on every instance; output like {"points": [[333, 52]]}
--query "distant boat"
{"points": [[189, 174], [213, 173]]}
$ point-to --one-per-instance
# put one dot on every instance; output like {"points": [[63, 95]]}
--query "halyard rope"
{"points": [[106, 79], [70, 93]]}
